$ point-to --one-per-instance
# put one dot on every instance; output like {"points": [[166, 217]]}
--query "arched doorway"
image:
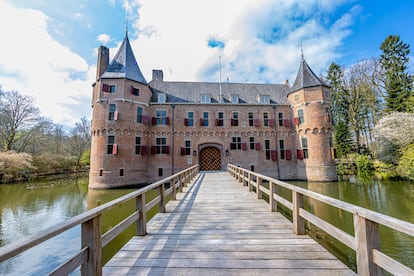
{"points": [[210, 159]]}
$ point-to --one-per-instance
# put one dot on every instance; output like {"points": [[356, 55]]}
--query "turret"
{"points": [[310, 100]]}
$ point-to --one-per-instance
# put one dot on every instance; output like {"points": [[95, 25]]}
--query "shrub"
{"points": [[14, 166], [405, 167], [364, 163]]}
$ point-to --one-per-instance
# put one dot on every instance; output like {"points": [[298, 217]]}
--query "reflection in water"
{"points": [[31, 207]]}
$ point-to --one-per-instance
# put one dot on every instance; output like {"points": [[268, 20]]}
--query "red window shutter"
{"points": [[217, 122], [232, 122], [105, 87], [145, 120], [132, 90], [257, 146], [299, 154], [185, 121], [167, 120], [144, 150], [244, 146], [273, 154], [114, 149], [201, 122], [286, 123], [182, 151], [166, 149], [153, 149], [154, 121], [288, 154], [296, 121], [115, 115], [256, 122], [232, 146], [271, 123]]}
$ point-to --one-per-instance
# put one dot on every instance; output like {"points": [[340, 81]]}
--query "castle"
{"points": [[144, 131]]}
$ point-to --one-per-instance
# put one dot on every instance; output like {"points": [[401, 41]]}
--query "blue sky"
{"points": [[48, 48]]}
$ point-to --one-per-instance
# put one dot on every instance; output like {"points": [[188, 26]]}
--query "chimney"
{"points": [[287, 83], [103, 61], [157, 75]]}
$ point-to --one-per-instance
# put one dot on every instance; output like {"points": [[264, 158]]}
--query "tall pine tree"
{"points": [[340, 106], [397, 82]]}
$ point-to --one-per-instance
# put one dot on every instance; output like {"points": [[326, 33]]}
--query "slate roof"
{"points": [[124, 65], [306, 78], [190, 92]]}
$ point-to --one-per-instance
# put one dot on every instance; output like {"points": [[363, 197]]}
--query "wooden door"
{"points": [[210, 159]]}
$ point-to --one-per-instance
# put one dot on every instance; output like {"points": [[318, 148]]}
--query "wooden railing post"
{"points": [[259, 182], [298, 221], [161, 204], [367, 239], [241, 175], [272, 202], [249, 184], [142, 218], [185, 179], [91, 238], [245, 181], [180, 181], [174, 191]]}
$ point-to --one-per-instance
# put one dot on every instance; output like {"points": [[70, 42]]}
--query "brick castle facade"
{"points": [[142, 132]]}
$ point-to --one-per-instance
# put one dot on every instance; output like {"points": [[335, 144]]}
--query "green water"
{"points": [[30, 207]]}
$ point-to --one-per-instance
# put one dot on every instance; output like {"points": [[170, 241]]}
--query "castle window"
{"points": [[112, 112], [162, 98], [160, 146], [235, 119], [234, 98], [220, 119], [186, 150], [161, 118], [205, 98], [100, 172], [137, 145], [301, 117], [112, 89], [252, 143], [121, 172], [251, 119], [134, 91], [304, 141], [160, 172], [204, 120], [266, 119], [264, 99], [189, 121], [110, 144], [139, 115], [280, 117], [267, 149], [236, 143], [282, 149]]}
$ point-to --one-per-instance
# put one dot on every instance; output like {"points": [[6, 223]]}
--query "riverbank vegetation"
{"points": [[373, 112], [32, 146]]}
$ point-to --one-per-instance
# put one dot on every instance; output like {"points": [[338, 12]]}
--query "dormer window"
{"points": [[264, 99], [205, 98], [234, 99], [162, 98]]}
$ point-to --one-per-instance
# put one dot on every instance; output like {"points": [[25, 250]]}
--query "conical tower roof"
{"points": [[306, 78], [124, 65]]}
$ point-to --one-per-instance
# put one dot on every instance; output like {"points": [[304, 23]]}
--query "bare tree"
{"points": [[80, 139], [17, 113]]}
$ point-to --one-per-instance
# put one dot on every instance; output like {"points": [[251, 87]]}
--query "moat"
{"points": [[30, 207]]}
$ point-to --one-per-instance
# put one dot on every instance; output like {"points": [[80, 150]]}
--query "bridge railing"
{"points": [[92, 240], [366, 242]]}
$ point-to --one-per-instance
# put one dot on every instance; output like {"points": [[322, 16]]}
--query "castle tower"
{"points": [[310, 101], [120, 103]]}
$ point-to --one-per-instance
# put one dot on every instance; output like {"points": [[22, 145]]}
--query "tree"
{"points": [[340, 106], [17, 113], [397, 82], [80, 139]]}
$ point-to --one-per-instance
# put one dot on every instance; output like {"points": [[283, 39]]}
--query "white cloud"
{"points": [[262, 37], [33, 63], [104, 38]]}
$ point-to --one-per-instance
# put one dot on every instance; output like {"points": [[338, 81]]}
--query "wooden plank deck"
{"points": [[218, 228]]}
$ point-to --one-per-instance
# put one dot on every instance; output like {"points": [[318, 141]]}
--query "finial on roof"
{"points": [[301, 50], [126, 25]]}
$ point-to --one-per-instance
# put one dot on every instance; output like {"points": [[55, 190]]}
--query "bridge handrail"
{"points": [[90, 253], [366, 241]]}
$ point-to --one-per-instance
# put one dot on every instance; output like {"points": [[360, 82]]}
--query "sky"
{"points": [[48, 49]]}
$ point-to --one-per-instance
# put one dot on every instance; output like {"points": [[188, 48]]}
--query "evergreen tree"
{"points": [[340, 106], [397, 82]]}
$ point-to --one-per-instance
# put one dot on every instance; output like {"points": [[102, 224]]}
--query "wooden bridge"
{"points": [[217, 226]]}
